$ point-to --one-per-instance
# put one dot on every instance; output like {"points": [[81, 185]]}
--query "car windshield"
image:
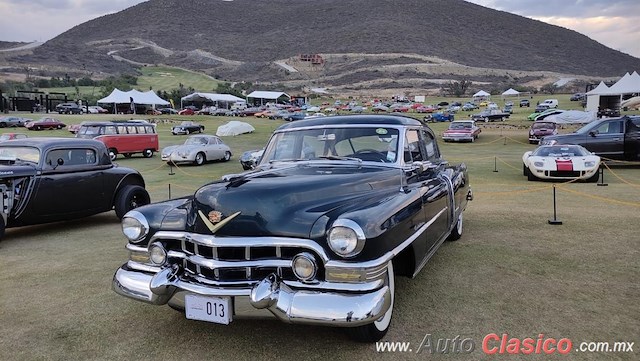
{"points": [[465, 125], [378, 144], [28, 154], [560, 151], [195, 141], [543, 126]]}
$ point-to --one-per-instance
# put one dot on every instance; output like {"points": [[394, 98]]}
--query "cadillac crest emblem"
{"points": [[214, 220], [214, 217]]}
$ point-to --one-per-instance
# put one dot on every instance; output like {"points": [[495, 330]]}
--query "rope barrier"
{"points": [[507, 164], [620, 178], [152, 170], [620, 161], [517, 141], [604, 199]]}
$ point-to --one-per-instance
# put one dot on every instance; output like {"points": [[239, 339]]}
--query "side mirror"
{"points": [[60, 161], [593, 133], [422, 167]]}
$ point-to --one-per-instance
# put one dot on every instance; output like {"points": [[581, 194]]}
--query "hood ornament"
{"points": [[214, 220]]}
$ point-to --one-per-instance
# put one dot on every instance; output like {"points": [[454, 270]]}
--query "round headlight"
{"points": [[346, 238], [157, 254], [135, 226], [304, 266]]}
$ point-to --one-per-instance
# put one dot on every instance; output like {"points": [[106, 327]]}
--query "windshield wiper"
{"points": [[335, 157], [287, 160]]}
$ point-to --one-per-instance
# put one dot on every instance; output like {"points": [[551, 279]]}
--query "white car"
{"points": [[561, 162], [197, 149]]}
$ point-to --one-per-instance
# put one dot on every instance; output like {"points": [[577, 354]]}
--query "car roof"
{"points": [[51, 142], [117, 122], [353, 119]]}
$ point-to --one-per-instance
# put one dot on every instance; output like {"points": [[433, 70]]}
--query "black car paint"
{"points": [[304, 199], [624, 145], [60, 193]]}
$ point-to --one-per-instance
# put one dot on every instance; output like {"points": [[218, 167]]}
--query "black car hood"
{"points": [[288, 201]]}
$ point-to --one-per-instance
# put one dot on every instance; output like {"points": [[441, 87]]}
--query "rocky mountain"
{"points": [[363, 42]]}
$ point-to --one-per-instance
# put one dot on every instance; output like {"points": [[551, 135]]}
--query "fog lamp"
{"points": [[157, 254], [304, 266]]}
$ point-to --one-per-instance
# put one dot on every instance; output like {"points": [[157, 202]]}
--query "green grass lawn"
{"points": [[156, 78], [511, 272]]}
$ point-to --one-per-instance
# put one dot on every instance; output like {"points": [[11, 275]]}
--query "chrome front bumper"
{"points": [[300, 306]]}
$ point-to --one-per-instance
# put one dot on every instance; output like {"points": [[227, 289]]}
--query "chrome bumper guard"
{"points": [[328, 308]]}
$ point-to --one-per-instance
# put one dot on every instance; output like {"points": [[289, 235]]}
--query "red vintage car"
{"points": [[426, 109], [44, 123], [461, 130]]}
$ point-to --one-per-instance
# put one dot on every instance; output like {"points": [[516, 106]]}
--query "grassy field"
{"points": [[511, 272], [156, 78]]}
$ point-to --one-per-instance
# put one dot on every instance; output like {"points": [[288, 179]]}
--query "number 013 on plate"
{"points": [[208, 308]]}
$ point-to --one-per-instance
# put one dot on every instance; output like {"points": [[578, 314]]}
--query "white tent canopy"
{"points": [[600, 89], [267, 95], [234, 127], [117, 96], [510, 92], [607, 97], [628, 84], [481, 95]]}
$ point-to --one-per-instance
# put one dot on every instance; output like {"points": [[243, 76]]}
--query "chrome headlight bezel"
{"points": [[135, 226], [304, 259], [346, 238], [157, 254]]}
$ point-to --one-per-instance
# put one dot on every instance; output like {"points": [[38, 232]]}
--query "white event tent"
{"points": [[510, 93], [268, 96], [118, 96], [605, 97], [480, 96]]}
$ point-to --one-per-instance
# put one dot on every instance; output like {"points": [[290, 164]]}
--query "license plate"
{"points": [[208, 308]]}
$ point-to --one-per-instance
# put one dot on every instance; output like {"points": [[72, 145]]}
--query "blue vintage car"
{"points": [[439, 117], [314, 234]]}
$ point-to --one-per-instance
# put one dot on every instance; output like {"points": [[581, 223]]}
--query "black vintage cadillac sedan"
{"points": [[315, 234], [55, 179]]}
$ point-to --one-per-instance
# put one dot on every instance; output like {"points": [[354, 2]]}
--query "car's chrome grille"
{"points": [[219, 261]]}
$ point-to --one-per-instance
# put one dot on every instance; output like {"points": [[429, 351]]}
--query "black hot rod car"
{"points": [[54, 179], [315, 234]]}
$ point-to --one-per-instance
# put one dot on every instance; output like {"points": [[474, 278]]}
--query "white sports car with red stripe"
{"points": [[561, 162]]}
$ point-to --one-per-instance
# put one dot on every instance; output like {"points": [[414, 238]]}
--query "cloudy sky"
{"points": [[614, 23]]}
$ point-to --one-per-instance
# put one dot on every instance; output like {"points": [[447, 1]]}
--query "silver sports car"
{"points": [[197, 149]]}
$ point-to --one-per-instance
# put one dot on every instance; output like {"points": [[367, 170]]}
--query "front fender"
{"points": [[171, 215]]}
